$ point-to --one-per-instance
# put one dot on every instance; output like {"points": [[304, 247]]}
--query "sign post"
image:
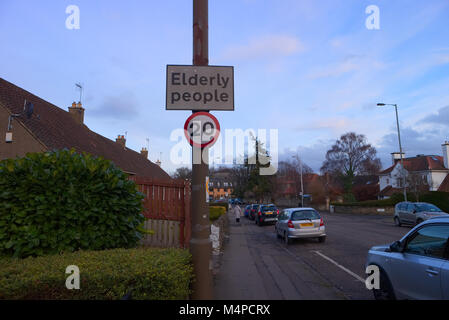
{"points": [[200, 88], [200, 243]]}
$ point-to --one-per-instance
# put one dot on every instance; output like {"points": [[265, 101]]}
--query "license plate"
{"points": [[268, 212], [307, 225]]}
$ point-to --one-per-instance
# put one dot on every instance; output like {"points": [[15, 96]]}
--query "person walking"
{"points": [[237, 213]]}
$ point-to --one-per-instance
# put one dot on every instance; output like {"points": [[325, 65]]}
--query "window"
{"points": [[427, 207], [388, 181], [305, 215], [410, 207], [429, 241]]}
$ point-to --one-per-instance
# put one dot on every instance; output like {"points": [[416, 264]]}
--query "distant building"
{"points": [[433, 170], [53, 128], [221, 185]]}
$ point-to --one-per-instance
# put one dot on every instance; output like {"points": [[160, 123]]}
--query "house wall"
{"points": [[23, 140], [435, 178]]}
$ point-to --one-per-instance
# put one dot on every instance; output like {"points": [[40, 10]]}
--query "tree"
{"points": [[417, 184], [351, 155], [183, 173]]}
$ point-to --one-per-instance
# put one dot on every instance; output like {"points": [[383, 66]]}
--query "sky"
{"points": [[309, 68]]}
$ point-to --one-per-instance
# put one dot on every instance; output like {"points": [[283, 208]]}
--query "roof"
{"points": [[389, 191], [57, 129], [444, 186], [420, 163]]}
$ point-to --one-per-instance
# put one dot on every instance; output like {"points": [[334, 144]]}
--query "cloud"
{"points": [[121, 106], [313, 155], [270, 46], [349, 63], [441, 117]]}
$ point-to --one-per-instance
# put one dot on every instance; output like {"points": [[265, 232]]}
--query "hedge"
{"points": [[440, 199], [144, 273], [61, 201], [221, 204], [216, 212]]}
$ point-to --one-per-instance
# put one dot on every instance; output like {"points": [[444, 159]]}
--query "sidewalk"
{"points": [[238, 278]]}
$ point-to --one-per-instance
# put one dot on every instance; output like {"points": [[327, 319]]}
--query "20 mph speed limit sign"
{"points": [[202, 129]]}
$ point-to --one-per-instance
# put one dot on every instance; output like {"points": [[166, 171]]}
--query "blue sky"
{"points": [[308, 68]]}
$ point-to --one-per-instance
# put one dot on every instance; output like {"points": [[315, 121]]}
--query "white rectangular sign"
{"points": [[200, 88]]}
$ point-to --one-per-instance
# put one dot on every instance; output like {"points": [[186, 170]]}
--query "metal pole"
{"points": [[302, 185], [200, 244], [400, 151]]}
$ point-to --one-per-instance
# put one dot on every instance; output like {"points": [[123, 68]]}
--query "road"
{"points": [[305, 269]]}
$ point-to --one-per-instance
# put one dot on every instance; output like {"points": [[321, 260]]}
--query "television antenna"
{"points": [[80, 87], [28, 110]]}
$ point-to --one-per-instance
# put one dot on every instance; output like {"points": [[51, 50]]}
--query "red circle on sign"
{"points": [[216, 134]]}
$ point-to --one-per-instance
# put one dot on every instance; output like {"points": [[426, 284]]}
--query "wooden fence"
{"points": [[167, 209]]}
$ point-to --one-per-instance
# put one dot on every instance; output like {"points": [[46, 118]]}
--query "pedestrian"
{"points": [[238, 213]]}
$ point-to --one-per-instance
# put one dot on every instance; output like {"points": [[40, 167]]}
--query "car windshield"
{"points": [[305, 215], [268, 208], [421, 207]]}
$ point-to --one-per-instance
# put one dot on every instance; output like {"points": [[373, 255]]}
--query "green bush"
{"points": [[64, 201], [156, 274], [221, 204], [216, 212]]}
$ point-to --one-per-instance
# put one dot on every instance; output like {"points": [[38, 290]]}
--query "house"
{"points": [[220, 185], [51, 127], [429, 171]]}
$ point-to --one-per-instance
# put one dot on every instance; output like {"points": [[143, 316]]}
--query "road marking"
{"points": [[340, 266]]}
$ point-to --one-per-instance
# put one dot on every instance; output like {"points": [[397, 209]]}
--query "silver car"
{"points": [[415, 212], [417, 266], [297, 223]]}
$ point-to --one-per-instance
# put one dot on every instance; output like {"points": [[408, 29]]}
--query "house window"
{"points": [[388, 181]]}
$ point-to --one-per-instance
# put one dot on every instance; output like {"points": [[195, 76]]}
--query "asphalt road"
{"points": [[307, 269]]}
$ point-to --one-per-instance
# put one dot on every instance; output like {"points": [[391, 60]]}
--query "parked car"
{"points": [[267, 214], [253, 211], [300, 223], [417, 266], [247, 211], [415, 213]]}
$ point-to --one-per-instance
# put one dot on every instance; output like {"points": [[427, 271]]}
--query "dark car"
{"points": [[253, 211], [247, 210], [267, 213]]}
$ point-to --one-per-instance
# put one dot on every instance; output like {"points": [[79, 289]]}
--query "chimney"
{"points": [[121, 140], [396, 156], [144, 152], [159, 163], [445, 146], [77, 112]]}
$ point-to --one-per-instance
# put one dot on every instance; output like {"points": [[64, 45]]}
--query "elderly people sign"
{"points": [[200, 88]]}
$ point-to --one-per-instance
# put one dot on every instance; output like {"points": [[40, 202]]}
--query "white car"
{"points": [[298, 223]]}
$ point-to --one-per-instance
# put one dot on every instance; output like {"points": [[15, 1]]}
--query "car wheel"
{"points": [[397, 222], [260, 223], [287, 240], [385, 291], [322, 239]]}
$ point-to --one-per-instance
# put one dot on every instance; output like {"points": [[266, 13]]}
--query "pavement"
{"points": [[255, 265]]}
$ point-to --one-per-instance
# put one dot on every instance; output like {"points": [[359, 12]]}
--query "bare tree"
{"points": [[351, 155], [183, 173], [417, 184]]}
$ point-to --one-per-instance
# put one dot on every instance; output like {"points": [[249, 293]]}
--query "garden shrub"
{"points": [[65, 201], [216, 212], [144, 273]]}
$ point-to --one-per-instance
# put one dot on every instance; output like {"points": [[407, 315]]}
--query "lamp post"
{"points": [[400, 145]]}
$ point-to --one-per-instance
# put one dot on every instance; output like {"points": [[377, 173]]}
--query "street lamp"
{"points": [[400, 145]]}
